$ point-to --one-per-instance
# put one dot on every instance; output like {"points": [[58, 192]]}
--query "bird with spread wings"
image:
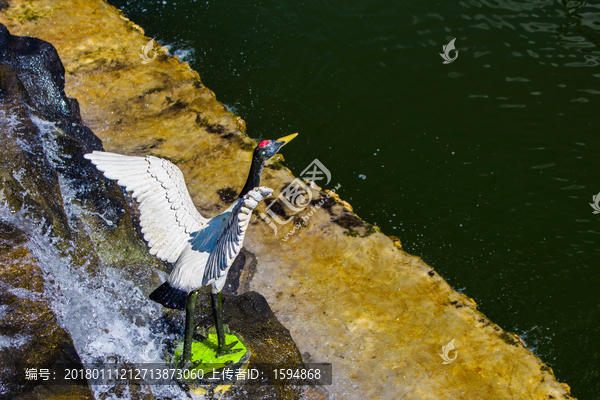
{"points": [[203, 249]]}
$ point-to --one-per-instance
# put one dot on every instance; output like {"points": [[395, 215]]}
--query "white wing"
{"points": [[212, 251], [230, 241], [168, 217]]}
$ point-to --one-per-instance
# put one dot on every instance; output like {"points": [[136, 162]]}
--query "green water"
{"points": [[484, 167]]}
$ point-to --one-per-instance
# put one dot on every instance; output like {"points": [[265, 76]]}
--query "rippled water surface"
{"points": [[484, 167]]}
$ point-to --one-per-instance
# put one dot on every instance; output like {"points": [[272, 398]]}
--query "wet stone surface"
{"points": [[29, 325], [347, 293]]}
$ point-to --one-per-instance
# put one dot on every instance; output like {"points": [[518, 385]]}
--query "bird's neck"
{"points": [[253, 180]]}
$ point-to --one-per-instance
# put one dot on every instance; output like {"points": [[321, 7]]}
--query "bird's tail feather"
{"points": [[169, 296]]}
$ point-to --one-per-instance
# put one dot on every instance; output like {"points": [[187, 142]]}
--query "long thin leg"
{"points": [[217, 306], [222, 348], [190, 311]]}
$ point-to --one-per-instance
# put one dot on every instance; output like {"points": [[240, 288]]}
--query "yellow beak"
{"points": [[286, 139]]}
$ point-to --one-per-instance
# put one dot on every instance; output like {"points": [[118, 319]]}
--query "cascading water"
{"points": [[74, 269], [108, 316]]}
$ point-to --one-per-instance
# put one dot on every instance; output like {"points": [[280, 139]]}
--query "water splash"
{"points": [[107, 314]]}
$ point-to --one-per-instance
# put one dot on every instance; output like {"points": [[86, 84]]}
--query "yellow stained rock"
{"points": [[347, 292]]}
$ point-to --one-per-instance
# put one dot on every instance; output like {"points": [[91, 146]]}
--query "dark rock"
{"points": [[46, 151], [23, 154], [269, 341], [240, 273], [42, 174], [41, 72], [30, 323]]}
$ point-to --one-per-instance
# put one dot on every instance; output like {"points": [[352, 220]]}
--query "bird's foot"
{"points": [[227, 349], [200, 334]]}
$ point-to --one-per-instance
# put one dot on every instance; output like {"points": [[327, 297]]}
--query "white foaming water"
{"points": [[232, 109], [107, 315], [186, 55], [13, 341], [13, 125], [183, 51]]}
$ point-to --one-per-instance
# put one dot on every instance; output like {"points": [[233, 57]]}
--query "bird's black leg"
{"points": [[190, 311], [222, 348], [217, 306]]}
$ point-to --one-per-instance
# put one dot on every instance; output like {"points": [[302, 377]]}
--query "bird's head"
{"points": [[268, 148], [265, 150]]}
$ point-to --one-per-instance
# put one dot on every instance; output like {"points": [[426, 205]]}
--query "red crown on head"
{"points": [[263, 143]]}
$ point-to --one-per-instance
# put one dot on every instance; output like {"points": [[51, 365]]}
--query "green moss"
{"points": [[275, 165], [371, 229], [204, 122], [204, 357], [29, 13], [355, 226], [174, 160], [247, 146], [509, 338]]}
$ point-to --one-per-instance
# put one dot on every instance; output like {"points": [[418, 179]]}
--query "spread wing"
{"points": [[168, 215], [230, 240]]}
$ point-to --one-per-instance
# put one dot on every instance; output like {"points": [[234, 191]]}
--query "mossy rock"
{"points": [[204, 361], [270, 343], [30, 325]]}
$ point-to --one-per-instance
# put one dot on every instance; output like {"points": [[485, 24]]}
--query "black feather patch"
{"points": [[169, 296]]}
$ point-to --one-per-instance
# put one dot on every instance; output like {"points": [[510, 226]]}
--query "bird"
{"points": [[203, 249]]}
